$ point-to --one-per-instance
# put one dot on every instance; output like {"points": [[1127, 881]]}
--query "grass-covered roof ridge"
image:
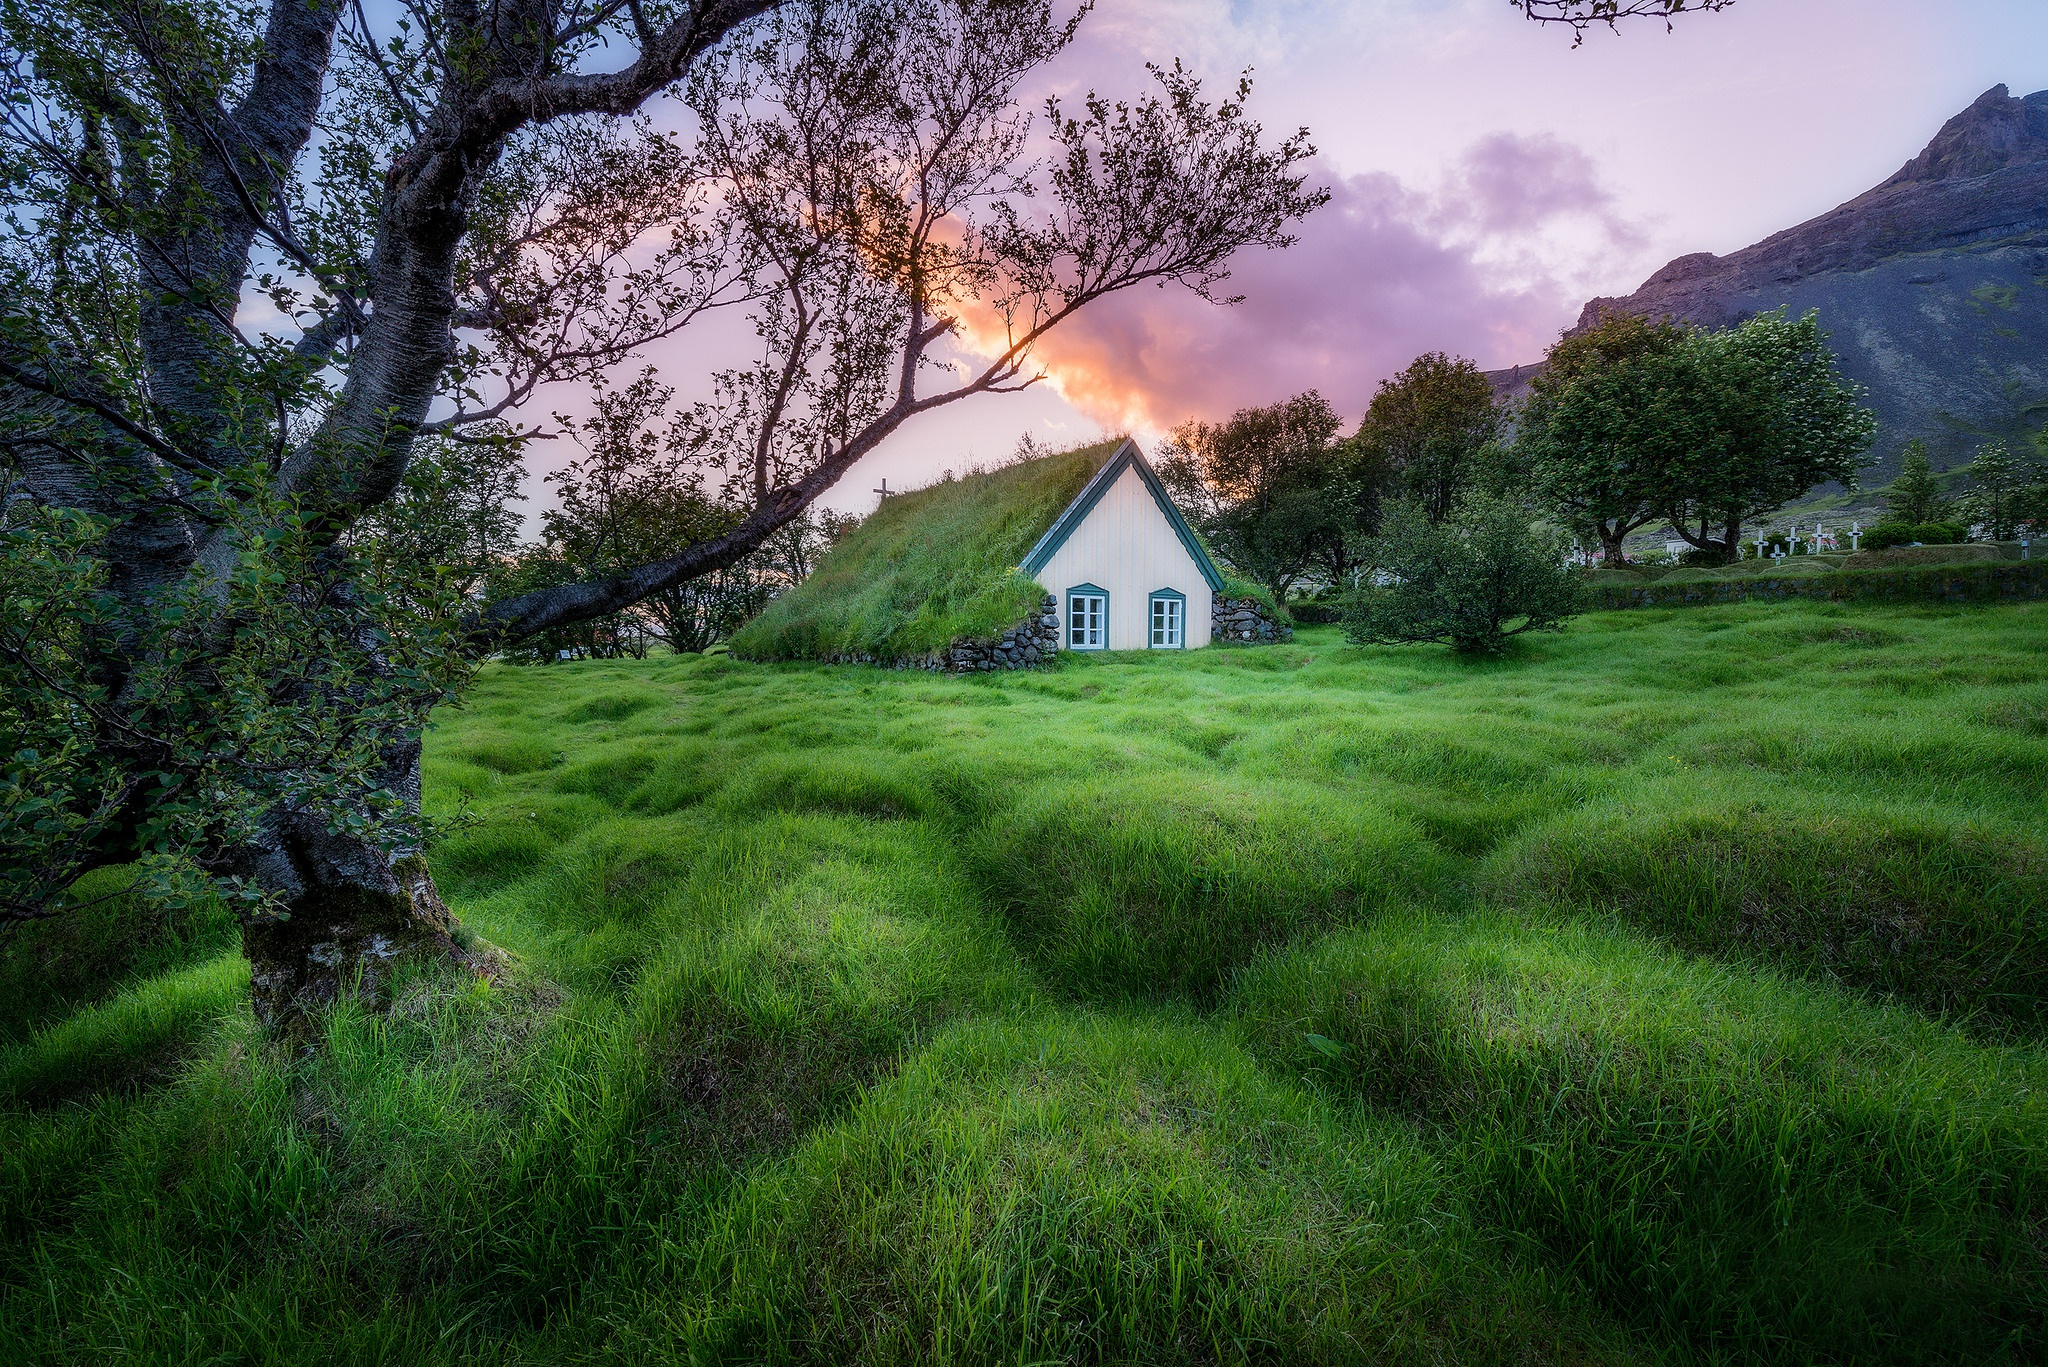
{"points": [[932, 566]]}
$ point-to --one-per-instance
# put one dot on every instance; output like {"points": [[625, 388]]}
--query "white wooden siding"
{"points": [[1126, 547]]}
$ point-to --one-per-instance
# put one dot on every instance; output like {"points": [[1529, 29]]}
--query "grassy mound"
{"points": [[928, 568], [1949, 917], [1104, 1191], [1165, 883], [1733, 1162]]}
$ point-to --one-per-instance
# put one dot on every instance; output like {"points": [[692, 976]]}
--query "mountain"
{"points": [[1934, 285]]}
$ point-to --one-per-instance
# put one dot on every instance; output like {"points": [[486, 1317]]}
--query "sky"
{"points": [[1486, 178]]}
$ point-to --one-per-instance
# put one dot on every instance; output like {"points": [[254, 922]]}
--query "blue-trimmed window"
{"points": [[1087, 618], [1169, 620]]}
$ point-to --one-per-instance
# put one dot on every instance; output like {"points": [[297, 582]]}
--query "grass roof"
{"points": [[930, 567]]}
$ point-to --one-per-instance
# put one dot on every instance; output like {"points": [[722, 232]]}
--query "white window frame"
{"points": [[1082, 632], [1167, 630]]}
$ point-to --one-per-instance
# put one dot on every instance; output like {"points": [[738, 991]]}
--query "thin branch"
{"points": [[113, 417]]}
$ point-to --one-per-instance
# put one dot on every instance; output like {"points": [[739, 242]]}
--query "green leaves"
{"points": [[1477, 579], [282, 688], [1635, 421]]}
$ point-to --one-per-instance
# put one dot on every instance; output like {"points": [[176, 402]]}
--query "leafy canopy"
{"points": [[1599, 429], [1475, 579], [1428, 428], [1278, 497]]}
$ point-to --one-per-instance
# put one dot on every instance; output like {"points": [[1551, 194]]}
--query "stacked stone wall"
{"points": [[1035, 640], [1245, 621]]}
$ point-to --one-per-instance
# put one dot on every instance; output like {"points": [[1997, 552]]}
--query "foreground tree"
{"points": [[1429, 428], [1598, 430], [1274, 491], [258, 255], [1476, 579]]}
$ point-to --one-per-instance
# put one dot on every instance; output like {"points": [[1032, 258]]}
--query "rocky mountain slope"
{"points": [[1934, 285]]}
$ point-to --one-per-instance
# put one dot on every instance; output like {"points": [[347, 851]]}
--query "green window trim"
{"points": [[1101, 618], [1152, 626]]}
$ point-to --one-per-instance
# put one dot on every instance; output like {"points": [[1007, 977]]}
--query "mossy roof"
{"points": [[929, 567]]}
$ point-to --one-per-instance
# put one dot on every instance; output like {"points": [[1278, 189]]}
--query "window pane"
{"points": [[1084, 620]]}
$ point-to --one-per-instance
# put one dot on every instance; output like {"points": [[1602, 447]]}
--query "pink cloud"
{"points": [[1380, 275]]}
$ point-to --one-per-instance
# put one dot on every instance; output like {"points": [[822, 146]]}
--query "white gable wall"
{"points": [[1126, 547]]}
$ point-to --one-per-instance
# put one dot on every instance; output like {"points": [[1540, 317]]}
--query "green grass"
{"points": [[930, 567], [1668, 991]]}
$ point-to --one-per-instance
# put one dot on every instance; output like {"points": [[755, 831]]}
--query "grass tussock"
{"points": [[1666, 991], [1731, 1160], [1950, 917], [1108, 1190], [929, 567], [1164, 883]]}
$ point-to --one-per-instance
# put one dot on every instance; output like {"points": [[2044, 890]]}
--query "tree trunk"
{"points": [[1610, 546], [354, 916], [350, 936]]}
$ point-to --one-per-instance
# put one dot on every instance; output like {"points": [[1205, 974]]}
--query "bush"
{"points": [[1697, 556], [1311, 614], [1477, 579], [1886, 535]]}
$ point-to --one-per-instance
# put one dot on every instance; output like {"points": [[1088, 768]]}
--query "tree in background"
{"points": [[259, 251], [635, 495], [1477, 578], [1428, 427], [452, 510], [1274, 491], [1916, 496], [2004, 495], [1764, 415], [1604, 425]]}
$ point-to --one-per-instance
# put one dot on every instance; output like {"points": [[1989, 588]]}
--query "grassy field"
{"points": [[1670, 991]]}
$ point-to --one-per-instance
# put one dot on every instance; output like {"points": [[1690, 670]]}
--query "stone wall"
{"points": [[1035, 640], [1979, 583], [1243, 620]]}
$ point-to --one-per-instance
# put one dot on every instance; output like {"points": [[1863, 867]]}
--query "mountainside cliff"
{"points": [[1934, 285]]}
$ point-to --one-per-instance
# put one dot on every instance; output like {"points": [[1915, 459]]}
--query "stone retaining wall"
{"points": [[1993, 582], [1034, 640], [1244, 620]]}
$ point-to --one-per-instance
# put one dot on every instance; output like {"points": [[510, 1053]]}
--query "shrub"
{"points": [[1311, 614], [1886, 535], [1477, 579]]}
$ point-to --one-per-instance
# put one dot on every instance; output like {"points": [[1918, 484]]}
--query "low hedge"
{"points": [[1983, 582], [1885, 535], [1310, 614]]}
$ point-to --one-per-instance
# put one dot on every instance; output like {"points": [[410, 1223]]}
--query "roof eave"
{"points": [[1075, 513]]}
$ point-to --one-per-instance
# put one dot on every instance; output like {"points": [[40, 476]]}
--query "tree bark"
{"points": [[349, 931], [352, 915]]}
